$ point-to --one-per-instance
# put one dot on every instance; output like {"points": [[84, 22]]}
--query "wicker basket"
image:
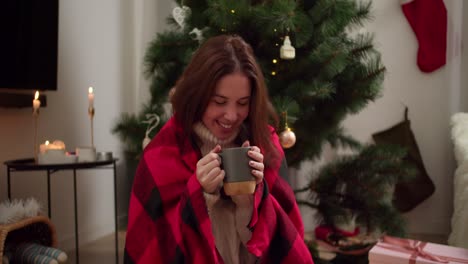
{"points": [[37, 229]]}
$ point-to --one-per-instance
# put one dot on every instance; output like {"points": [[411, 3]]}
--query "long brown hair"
{"points": [[215, 58]]}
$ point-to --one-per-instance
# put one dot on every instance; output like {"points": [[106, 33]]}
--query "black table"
{"points": [[31, 165]]}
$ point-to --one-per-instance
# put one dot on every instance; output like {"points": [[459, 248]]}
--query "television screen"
{"points": [[28, 44]]}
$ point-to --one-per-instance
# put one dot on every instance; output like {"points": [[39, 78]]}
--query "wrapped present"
{"points": [[392, 250]]}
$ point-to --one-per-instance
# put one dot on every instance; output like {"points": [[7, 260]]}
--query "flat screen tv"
{"points": [[28, 44]]}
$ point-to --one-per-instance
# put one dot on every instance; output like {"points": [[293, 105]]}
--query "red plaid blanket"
{"points": [[168, 220]]}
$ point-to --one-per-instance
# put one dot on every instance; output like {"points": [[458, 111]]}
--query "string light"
{"points": [[233, 11], [273, 73], [275, 61]]}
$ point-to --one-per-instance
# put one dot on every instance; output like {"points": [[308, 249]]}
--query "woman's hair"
{"points": [[216, 58]]}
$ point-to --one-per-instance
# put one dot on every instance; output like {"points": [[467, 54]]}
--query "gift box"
{"points": [[392, 250]]}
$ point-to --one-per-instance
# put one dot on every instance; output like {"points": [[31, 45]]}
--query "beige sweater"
{"points": [[229, 219]]}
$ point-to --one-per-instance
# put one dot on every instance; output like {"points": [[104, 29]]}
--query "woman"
{"points": [[178, 211]]}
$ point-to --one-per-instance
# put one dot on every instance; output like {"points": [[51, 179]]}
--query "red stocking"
{"points": [[428, 19]]}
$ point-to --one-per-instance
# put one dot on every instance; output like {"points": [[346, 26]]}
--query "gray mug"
{"points": [[238, 178]]}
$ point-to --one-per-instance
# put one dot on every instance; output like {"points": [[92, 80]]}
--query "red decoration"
{"points": [[323, 232], [428, 19]]}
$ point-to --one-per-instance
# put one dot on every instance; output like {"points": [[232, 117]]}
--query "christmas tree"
{"points": [[318, 69]]}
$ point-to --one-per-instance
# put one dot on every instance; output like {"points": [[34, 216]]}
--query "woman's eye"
{"points": [[243, 103], [219, 102]]}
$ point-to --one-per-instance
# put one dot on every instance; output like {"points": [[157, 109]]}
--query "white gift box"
{"points": [[86, 154]]}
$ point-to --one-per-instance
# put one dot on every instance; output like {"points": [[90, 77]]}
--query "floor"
{"points": [[102, 250]]}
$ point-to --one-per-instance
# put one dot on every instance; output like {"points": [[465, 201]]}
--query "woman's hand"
{"points": [[257, 161], [209, 173]]}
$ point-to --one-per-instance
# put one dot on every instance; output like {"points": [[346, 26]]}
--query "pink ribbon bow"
{"points": [[415, 248]]}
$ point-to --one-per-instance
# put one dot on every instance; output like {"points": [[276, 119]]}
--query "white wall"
{"points": [[101, 44], [464, 68], [151, 18], [432, 98]]}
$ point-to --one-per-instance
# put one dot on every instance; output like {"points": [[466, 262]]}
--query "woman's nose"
{"points": [[231, 114]]}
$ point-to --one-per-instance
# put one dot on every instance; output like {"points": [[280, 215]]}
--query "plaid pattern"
{"points": [[168, 218]]}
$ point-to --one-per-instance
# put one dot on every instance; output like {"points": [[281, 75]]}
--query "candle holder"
{"points": [[91, 117], [35, 116]]}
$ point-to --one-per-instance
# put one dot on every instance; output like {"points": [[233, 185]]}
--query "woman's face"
{"points": [[229, 106]]}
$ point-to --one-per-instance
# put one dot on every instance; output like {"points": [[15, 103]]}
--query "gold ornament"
{"points": [[287, 51], [287, 138]]}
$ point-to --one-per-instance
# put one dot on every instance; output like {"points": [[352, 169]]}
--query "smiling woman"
{"points": [[229, 106], [220, 102]]}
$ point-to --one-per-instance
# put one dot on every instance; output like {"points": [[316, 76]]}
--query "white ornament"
{"points": [[146, 141], [287, 51], [198, 34], [180, 13], [153, 121]]}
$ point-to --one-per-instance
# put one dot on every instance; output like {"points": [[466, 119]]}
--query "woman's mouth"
{"points": [[226, 126]]}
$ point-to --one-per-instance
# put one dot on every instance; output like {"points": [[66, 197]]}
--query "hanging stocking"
{"points": [[408, 194], [428, 19]]}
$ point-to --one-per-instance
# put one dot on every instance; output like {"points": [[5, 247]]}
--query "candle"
{"points": [[56, 145], [36, 102], [54, 153], [43, 147], [91, 97]]}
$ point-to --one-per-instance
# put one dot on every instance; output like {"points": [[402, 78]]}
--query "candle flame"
{"points": [[90, 90], [36, 95]]}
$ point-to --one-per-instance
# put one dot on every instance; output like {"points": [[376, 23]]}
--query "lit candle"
{"points": [[47, 146], [36, 102], [91, 97], [43, 147]]}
